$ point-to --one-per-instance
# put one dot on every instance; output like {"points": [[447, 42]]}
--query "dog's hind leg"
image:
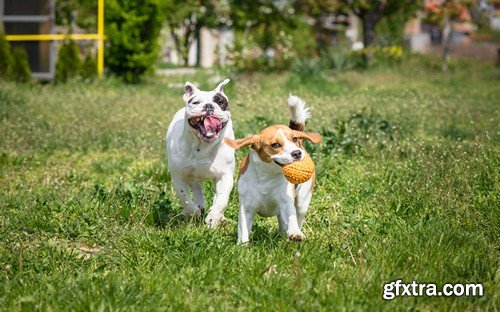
{"points": [[198, 195], [281, 224], [223, 187], [183, 193]]}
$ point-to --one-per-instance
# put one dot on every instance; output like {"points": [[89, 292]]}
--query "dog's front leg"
{"points": [[245, 221], [198, 195], [289, 222], [181, 188], [223, 187]]}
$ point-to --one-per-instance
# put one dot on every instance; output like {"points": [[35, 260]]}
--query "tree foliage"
{"points": [[132, 28], [438, 12], [265, 18], [369, 12], [6, 59], [89, 67], [445, 13], [68, 61], [372, 12], [186, 18], [21, 71], [82, 13]]}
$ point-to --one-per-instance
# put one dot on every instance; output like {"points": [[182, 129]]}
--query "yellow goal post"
{"points": [[99, 37]]}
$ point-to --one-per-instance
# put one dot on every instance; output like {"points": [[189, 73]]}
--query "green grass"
{"points": [[408, 188]]}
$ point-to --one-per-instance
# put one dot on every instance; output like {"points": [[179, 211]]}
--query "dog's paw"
{"points": [[214, 220], [296, 236], [244, 243]]}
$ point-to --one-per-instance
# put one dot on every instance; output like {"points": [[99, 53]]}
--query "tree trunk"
{"points": [[369, 22], [177, 43], [369, 19], [448, 32], [188, 40], [198, 44]]}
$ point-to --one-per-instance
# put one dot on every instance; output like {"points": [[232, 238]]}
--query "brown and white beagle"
{"points": [[262, 186]]}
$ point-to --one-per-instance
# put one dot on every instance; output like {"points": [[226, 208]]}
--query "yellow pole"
{"points": [[100, 40], [51, 37]]}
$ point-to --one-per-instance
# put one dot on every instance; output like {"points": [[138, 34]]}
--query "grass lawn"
{"points": [[408, 187]]}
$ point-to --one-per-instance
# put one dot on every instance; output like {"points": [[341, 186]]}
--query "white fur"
{"points": [[285, 157], [192, 161], [299, 113], [264, 190]]}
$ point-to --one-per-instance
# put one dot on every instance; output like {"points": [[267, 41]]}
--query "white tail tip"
{"points": [[299, 113]]}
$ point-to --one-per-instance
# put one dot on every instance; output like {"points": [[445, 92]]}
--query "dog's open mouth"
{"points": [[207, 127]]}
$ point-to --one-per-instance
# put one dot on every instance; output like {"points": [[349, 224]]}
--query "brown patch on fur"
{"points": [[243, 165], [269, 136], [296, 126], [262, 142]]}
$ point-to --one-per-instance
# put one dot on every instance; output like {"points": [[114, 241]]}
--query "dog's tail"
{"points": [[299, 113]]}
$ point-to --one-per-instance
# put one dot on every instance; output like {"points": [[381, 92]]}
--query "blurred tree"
{"points": [[372, 12], [369, 12], [186, 18], [6, 60], [133, 28], [68, 61], [316, 10], [89, 67], [265, 18], [446, 12], [82, 13], [21, 71]]}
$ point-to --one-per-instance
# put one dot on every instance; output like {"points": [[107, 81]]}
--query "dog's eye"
{"points": [[193, 101], [295, 139], [221, 101], [275, 145]]}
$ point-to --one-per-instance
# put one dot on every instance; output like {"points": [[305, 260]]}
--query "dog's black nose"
{"points": [[296, 154], [208, 107]]}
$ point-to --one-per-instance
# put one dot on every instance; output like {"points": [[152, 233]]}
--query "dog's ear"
{"points": [[220, 86], [239, 143], [313, 137], [189, 90]]}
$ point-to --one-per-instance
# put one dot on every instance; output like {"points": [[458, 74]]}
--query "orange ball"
{"points": [[299, 171]]}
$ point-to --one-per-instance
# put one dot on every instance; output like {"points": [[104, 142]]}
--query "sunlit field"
{"points": [[408, 186]]}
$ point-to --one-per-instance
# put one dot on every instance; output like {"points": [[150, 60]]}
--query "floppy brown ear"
{"points": [[313, 137], [238, 143]]}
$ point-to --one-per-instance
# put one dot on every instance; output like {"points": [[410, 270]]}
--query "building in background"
{"points": [[495, 16], [214, 45], [32, 17]]}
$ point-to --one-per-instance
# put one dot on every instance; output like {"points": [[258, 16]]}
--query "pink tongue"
{"points": [[212, 125]]}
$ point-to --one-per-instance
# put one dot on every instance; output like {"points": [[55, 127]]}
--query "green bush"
{"points": [[5, 57], [89, 67], [69, 63], [133, 28], [386, 56], [307, 67], [342, 58], [363, 132], [21, 71]]}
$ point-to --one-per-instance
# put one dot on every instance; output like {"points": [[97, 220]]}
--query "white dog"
{"points": [[262, 186], [196, 151]]}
